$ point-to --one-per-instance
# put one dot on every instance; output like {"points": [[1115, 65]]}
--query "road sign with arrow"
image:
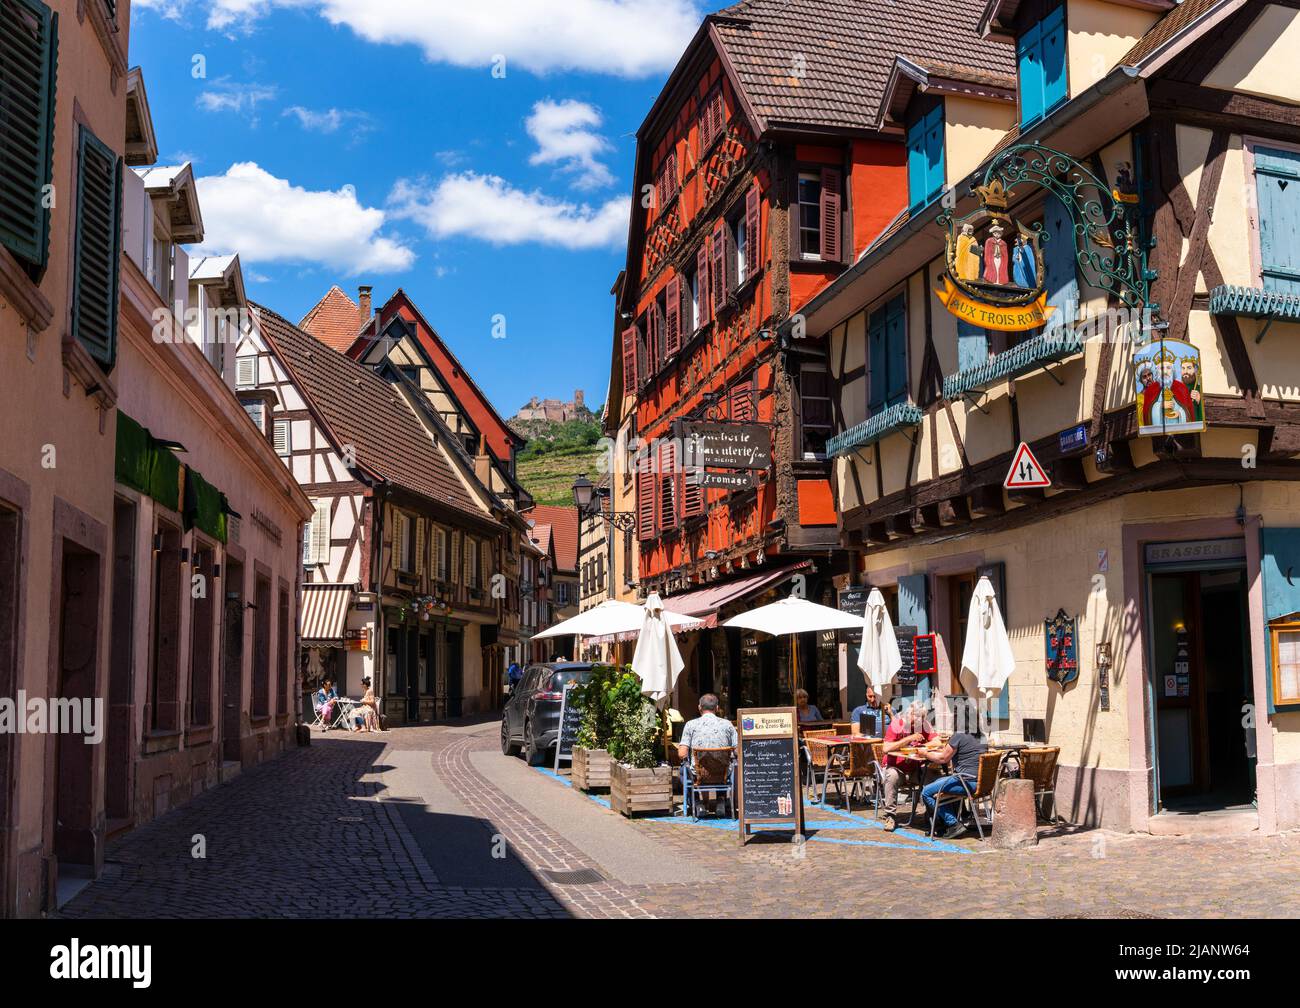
{"points": [[1026, 472]]}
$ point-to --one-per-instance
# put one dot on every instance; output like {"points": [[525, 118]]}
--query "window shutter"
{"points": [[29, 33], [703, 292], [1029, 60], [419, 545], [972, 345], [878, 361], [642, 348], [320, 533], [729, 259], [673, 318], [629, 360], [830, 214], [917, 170], [246, 371], [718, 268], [934, 150], [660, 327], [686, 311], [280, 437], [896, 351], [752, 239], [1052, 48], [645, 498], [668, 478], [692, 494], [399, 541], [467, 561], [743, 407], [1277, 188], [455, 556], [98, 249]]}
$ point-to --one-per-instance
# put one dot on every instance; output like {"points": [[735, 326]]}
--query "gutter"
{"points": [[1117, 80]]}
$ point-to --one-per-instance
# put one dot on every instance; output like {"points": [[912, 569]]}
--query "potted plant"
{"points": [[590, 767], [638, 780]]}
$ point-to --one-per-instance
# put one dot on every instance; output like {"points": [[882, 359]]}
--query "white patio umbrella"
{"points": [[794, 616], [656, 660], [879, 659], [611, 617], [987, 656]]}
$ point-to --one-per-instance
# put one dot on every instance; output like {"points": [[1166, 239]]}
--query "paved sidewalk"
{"points": [[435, 822]]}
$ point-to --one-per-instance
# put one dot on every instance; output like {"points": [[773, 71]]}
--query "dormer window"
{"points": [[925, 168], [1040, 57]]}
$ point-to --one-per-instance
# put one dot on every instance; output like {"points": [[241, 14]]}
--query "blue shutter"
{"points": [[914, 610], [1060, 261], [1029, 61], [997, 575], [934, 152], [916, 166], [1052, 48], [1279, 567], [972, 345], [896, 351], [877, 360], [1277, 184]]}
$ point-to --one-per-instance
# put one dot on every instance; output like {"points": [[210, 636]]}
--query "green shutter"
{"points": [[99, 244], [205, 506], [28, 61], [135, 448]]}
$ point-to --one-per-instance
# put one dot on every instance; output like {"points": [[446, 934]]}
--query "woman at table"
{"points": [[327, 696], [909, 728], [367, 709], [807, 711]]}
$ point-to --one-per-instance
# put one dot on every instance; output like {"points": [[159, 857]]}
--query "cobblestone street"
{"points": [[435, 822]]}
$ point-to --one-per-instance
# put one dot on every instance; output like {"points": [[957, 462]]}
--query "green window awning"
{"points": [[205, 506], [144, 464]]}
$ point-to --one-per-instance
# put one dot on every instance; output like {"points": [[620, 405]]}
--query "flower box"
{"points": [[590, 770], [633, 790]]}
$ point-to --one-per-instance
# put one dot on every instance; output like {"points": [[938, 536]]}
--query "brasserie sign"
{"points": [[726, 446]]}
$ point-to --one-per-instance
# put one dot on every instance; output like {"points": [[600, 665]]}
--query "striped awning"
{"points": [[324, 612]]}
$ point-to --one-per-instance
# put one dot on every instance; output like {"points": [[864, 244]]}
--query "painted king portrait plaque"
{"points": [[1167, 373]]}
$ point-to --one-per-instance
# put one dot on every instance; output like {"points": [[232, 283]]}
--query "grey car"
{"points": [[531, 718]]}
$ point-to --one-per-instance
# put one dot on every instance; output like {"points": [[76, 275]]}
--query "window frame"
{"points": [[1275, 628], [1250, 144], [812, 174]]}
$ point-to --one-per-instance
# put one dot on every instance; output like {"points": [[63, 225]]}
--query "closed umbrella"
{"points": [[656, 660], [987, 656], [879, 659]]}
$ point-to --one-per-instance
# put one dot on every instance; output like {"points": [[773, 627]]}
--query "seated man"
{"points": [[708, 731], [907, 729], [875, 709], [963, 752]]}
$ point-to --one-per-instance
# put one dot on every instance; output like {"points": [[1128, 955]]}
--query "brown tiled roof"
{"points": [[969, 75], [362, 409], [847, 49], [563, 525], [1167, 27], [334, 319]]}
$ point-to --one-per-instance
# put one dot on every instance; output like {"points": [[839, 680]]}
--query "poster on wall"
{"points": [[1167, 374], [1061, 647]]}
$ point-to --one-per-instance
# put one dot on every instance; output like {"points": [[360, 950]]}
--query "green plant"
{"points": [[596, 726], [635, 722]]}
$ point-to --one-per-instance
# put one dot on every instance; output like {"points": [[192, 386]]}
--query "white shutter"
{"points": [[455, 556], [419, 545], [320, 534], [246, 371], [469, 570], [280, 437], [444, 559], [399, 541]]}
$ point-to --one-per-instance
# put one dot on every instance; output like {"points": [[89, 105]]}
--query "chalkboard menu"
{"points": [[923, 649], [570, 719], [907, 651], [768, 771], [854, 602]]}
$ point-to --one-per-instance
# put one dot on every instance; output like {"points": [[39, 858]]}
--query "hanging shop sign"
{"points": [[723, 480], [356, 639], [1168, 388], [1061, 646], [726, 446]]}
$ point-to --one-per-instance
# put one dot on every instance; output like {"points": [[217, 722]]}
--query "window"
{"points": [[410, 373], [1040, 57], [887, 355], [159, 268], [740, 240], [1285, 650], [164, 670], [202, 638], [255, 411], [28, 52], [713, 119], [403, 543], [810, 228], [817, 216], [667, 183], [814, 407], [261, 699], [282, 651], [925, 168], [98, 248], [442, 554], [280, 437], [692, 281], [1277, 196], [741, 401], [316, 540], [246, 372], [472, 562]]}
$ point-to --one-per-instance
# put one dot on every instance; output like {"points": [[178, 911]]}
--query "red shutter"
{"points": [[629, 360], [752, 238], [645, 498], [830, 212], [729, 258], [670, 175], [703, 292], [668, 477], [718, 270], [742, 403], [692, 495], [687, 322], [673, 321], [652, 341]]}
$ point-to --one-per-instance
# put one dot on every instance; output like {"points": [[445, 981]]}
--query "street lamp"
{"points": [[584, 492], [583, 488]]}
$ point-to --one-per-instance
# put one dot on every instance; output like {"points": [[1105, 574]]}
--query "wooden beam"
{"points": [[875, 534], [986, 499], [953, 511], [900, 525], [927, 517], [1027, 495], [1068, 474], [1118, 458]]}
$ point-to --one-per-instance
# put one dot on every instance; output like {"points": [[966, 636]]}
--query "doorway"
{"points": [[455, 673], [232, 678], [78, 649], [1202, 688], [121, 660]]}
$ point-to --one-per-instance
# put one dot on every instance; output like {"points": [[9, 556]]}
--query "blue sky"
{"points": [[477, 153]]}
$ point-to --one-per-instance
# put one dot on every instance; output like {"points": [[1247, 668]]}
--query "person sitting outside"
{"points": [[366, 712], [807, 711], [909, 728], [327, 696], [875, 709], [963, 752], [708, 731]]}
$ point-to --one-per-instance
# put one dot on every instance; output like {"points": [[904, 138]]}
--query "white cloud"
{"points": [[225, 95], [566, 135], [490, 209], [327, 120], [267, 219], [627, 38]]}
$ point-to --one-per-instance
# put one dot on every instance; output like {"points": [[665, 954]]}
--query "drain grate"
{"points": [[579, 876], [350, 818]]}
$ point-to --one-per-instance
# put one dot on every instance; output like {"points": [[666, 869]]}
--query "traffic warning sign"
{"points": [[1025, 472]]}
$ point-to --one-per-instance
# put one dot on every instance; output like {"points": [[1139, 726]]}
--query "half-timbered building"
{"points": [[411, 563], [1139, 184], [760, 174]]}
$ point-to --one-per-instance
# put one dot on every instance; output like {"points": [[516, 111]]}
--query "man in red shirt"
{"points": [[908, 729]]}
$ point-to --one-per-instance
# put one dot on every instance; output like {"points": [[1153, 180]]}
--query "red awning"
{"points": [[704, 603]]}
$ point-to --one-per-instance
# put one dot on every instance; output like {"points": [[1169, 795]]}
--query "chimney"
{"points": [[363, 301]]}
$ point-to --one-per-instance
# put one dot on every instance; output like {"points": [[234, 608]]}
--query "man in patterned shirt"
{"points": [[708, 731]]}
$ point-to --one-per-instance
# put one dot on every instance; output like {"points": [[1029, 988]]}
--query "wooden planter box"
{"points": [[590, 769], [632, 790]]}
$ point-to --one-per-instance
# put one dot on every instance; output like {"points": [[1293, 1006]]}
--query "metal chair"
{"points": [[990, 771], [1040, 765], [708, 772]]}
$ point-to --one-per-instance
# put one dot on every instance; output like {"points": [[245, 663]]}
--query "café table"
{"points": [[837, 743]]}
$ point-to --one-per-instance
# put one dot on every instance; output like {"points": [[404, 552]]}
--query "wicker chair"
{"points": [[814, 757], [842, 727], [990, 772], [850, 771], [1039, 766], [708, 772]]}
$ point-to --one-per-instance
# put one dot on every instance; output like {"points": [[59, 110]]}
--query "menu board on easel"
{"points": [[767, 772], [570, 721], [905, 677]]}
